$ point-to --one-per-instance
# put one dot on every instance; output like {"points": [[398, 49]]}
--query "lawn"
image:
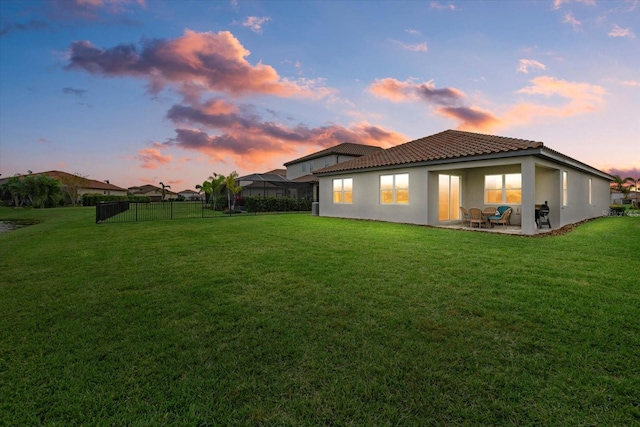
{"points": [[301, 320]]}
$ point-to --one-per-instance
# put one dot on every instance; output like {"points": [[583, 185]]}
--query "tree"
{"points": [[212, 188], [16, 188], [205, 188], [232, 188], [71, 184], [619, 184], [41, 190], [163, 190], [216, 185]]}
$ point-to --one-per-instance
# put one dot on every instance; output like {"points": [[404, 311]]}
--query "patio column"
{"points": [[528, 171]]}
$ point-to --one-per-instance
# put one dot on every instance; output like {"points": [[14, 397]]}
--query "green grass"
{"points": [[302, 320]]}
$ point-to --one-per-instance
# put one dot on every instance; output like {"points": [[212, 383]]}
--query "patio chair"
{"points": [[476, 217], [504, 218], [464, 216]]}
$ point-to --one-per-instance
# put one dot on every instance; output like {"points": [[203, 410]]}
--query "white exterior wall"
{"points": [[366, 198], [295, 170], [541, 181], [83, 191], [578, 206]]}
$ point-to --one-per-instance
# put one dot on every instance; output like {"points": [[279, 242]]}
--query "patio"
{"points": [[509, 229]]}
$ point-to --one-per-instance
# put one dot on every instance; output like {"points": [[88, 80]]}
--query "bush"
{"points": [[94, 199], [276, 204], [618, 208]]}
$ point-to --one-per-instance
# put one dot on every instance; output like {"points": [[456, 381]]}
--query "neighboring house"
{"points": [[269, 184], [189, 195], [84, 185], [301, 170], [154, 193], [427, 180], [297, 179], [619, 198]]}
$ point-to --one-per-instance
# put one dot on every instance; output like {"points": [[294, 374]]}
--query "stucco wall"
{"points": [[366, 198], [295, 170], [423, 192]]}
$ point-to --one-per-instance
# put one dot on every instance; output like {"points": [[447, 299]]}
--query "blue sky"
{"points": [[139, 92]]}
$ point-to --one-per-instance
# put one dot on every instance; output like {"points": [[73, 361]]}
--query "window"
{"points": [[590, 192], [326, 162], [394, 189], [304, 167], [311, 166], [505, 188], [343, 190], [564, 188]]}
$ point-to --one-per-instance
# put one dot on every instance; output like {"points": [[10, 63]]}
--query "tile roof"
{"points": [[90, 184], [450, 144], [306, 178], [346, 148], [281, 172]]}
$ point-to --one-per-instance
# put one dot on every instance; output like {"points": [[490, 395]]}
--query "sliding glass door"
{"points": [[448, 198]]}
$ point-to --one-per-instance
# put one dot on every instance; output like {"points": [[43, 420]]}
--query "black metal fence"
{"points": [[125, 211]]}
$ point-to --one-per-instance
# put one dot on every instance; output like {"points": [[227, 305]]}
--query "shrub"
{"points": [[276, 204]]}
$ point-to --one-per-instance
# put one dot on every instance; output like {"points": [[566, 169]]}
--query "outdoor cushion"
{"points": [[495, 216], [502, 209]]}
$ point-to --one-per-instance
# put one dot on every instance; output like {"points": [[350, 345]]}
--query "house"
{"points": [[268, 184], [79, 185], [189, 195], [154, 193], [86, 185], [297, 180], [301, 170], [427, 180], [631, 198]]}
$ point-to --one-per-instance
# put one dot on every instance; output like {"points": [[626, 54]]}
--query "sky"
{"points": [[146, 91]]}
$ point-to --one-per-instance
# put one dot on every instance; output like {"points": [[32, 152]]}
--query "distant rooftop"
{"points": [[346, 148]]}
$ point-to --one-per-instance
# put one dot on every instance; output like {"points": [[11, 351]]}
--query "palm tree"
{"points": [[619, 184], [163, 190], [205, 188], [211, 188], [216, 185], [230, 183]]}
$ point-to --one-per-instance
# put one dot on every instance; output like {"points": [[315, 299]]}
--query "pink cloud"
{"points": [[439, 6], [402, 91], [91, 10], [528, 64], [470, 118], [151, 158], [621, 32], [624, 173], [195, 62], [393, 90], [242, 136], [255, 23], [578, 98], [558, 3], [569, 19], [583, 96], [418, 47]]}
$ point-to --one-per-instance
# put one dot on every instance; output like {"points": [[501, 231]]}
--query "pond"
{"points": [[6, 226]]}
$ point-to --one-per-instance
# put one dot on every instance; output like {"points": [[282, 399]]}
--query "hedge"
{"points": [[276, 204]]}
